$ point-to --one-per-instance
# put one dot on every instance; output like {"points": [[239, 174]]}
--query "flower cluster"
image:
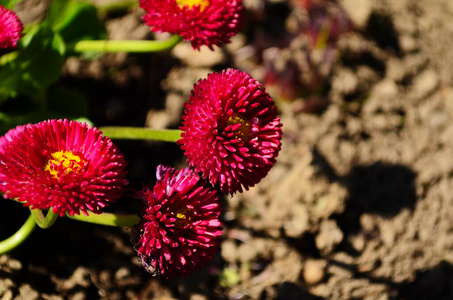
{"points": [[231, 131], [202, 22], [231, 135], [10, 28], [180, 228], [60, 164]]}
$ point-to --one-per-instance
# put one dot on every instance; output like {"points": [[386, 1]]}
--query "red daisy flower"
{"points": [[202, 22], [10, 28], [231, 131], [9, 137], [180, 229], [64, 165]]}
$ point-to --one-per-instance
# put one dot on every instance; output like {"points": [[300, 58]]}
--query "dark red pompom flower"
{"points": [[180, 229], [10, 28], [64, 165], [231, 131], [202, 22]]}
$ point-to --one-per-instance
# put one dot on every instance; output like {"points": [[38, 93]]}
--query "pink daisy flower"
{"points": [[10, 28], [180, 229], [231, 131], [9, 137], [64, 165], [202, 22]]}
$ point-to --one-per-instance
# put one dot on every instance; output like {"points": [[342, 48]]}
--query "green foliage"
{"points": [[11, 120], [229, 277], [35, 66], [33, 70], [9, 3], [75, 21]]}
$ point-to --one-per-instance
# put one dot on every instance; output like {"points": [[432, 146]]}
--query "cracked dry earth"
{"points": [[359, 205]]}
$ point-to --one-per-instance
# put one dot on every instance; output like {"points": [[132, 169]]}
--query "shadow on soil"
{"points": [[380, 188], [385, 190], [291, 291], [434, 283]]}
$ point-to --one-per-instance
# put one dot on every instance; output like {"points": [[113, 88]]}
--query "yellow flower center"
{"points": [[191, 3], [180, 216], [183, 217], [244, 129], [64, 163]]}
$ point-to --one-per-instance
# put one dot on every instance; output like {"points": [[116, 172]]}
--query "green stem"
{"points": [[138, 133], [18, 237], [127, 45], [116, 6], [108, 219], [323, 36], [8, 57], [44, 222]]}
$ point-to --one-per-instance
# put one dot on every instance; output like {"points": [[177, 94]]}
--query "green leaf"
{"points": [[8, 121], [9, 3], [35, 66], [9, 79], [75, 21], [85, 120], [42, 59], [56, 13], [229, 277]]}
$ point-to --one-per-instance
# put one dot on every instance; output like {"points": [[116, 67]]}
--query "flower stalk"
{"points": [[108, 219], [116, 6], [138, 133], [20, 236], [44, 221], [127, 45]]}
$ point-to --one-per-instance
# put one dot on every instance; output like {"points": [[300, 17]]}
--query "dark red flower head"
{"points": [[180, 229], [202, 22], [231, 131], [64, 165], [10, 28]]}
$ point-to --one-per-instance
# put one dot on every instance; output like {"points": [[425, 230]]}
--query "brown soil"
{"points": [[359, 205]]}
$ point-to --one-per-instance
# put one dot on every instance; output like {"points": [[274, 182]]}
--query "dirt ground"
{"points": [[358, 206]]}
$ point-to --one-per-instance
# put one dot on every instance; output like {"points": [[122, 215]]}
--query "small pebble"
{"points": [[314, 271]]}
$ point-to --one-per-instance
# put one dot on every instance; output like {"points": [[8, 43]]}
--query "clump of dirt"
{"points": [[358, 206]]}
